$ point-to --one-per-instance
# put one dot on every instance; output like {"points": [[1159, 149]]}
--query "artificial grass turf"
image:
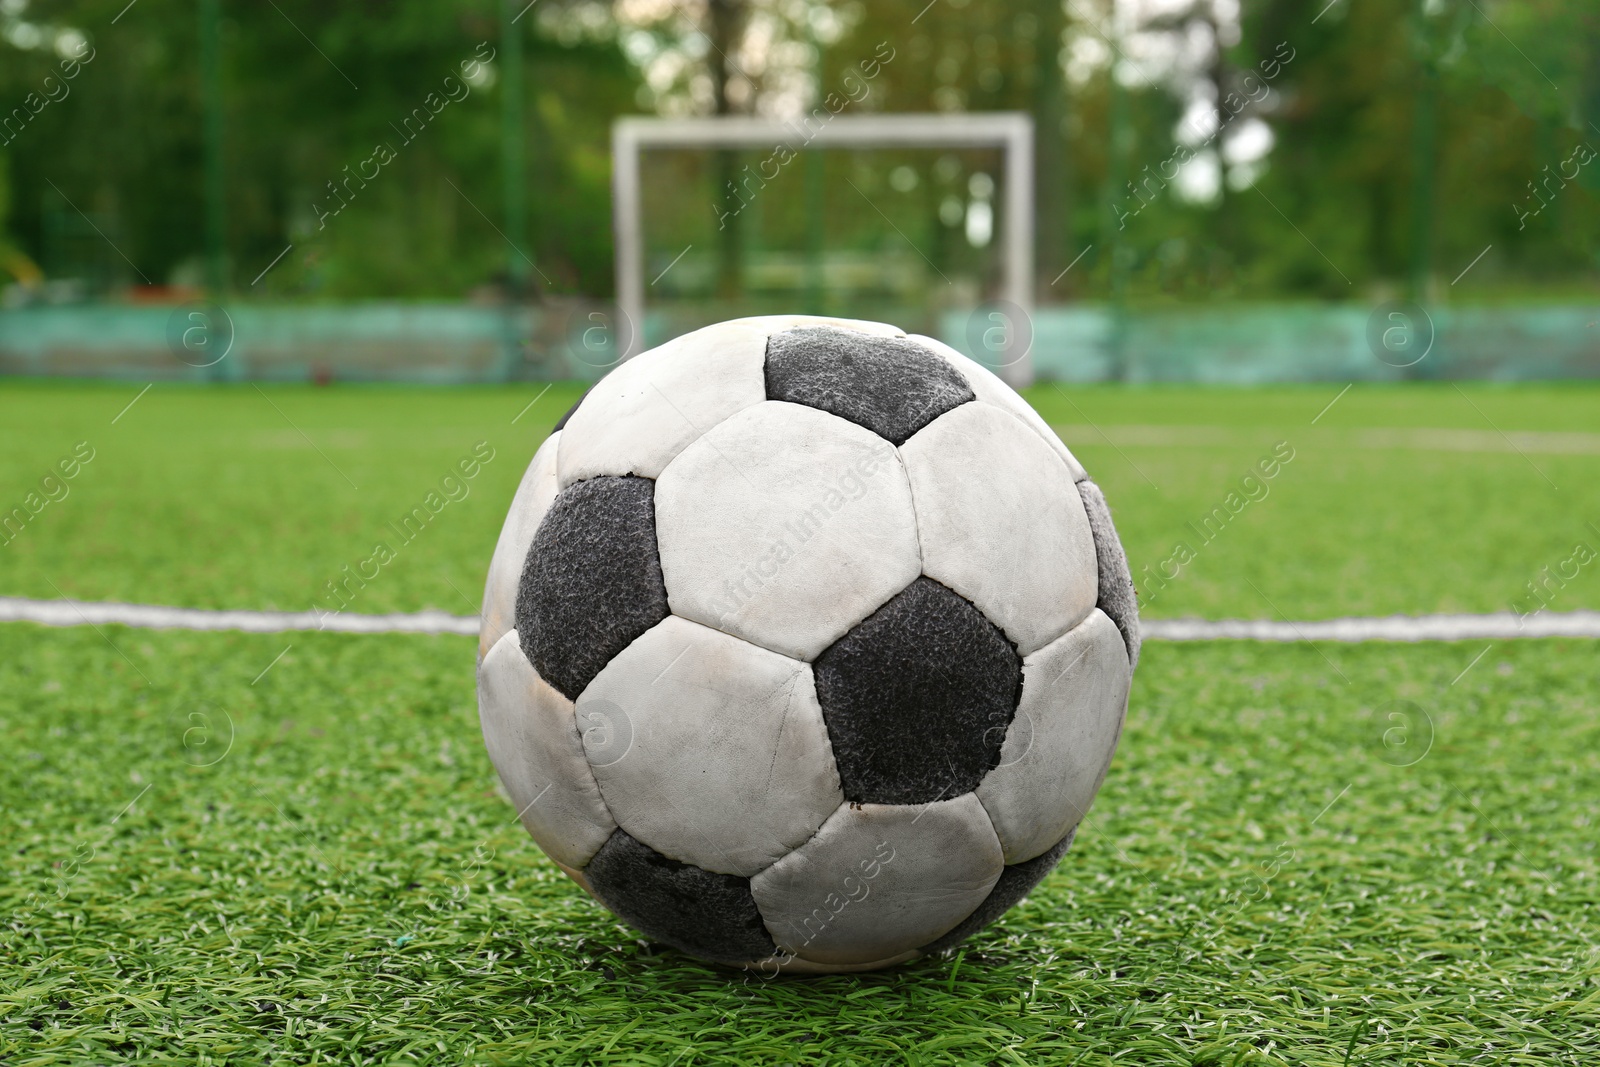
{"points": [[1398, 499], [1277, 870]]}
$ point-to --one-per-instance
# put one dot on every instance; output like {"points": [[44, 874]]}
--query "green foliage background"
{"points": [[309, 88]]}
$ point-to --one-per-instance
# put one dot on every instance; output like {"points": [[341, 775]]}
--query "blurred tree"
{"points": [[360, 140], [357, 139], [12, 259], [727, 21], [1052, 173]]}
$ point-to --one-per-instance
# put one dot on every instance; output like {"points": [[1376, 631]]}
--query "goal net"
{"points": [[920, 220]]}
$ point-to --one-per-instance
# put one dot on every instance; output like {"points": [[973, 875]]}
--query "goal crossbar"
{"points": [[1009, 131]]}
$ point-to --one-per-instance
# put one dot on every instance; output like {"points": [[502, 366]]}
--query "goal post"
{"points": [[1010, 132]]}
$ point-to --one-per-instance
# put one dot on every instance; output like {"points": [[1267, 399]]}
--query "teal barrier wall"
{"points": [[368, 342], [1287, 343], [460, 343]]}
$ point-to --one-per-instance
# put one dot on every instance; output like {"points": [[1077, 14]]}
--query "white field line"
{"points": [[1378, 439], [156, 617], [1496, 627], [1503, 626]]}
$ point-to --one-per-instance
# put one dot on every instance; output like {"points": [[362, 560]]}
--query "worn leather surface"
{"points": [[646, 411], [726, 763], [785, 526], [534, 496], [1074, 695], [1000, 522], [891, 386], [1017, 880], [592, 582], [708, 915], [918, 698], [533, 742], [1118, 597], [989, 388], [879, 880]]}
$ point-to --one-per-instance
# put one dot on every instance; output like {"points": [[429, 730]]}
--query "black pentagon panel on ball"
{"points": [[918, 697], [713, 916], [1117, 597], [892, 386], [1016, 881], [592, 580]]}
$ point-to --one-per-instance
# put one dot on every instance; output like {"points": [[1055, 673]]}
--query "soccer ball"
{"points": [[806, 645]]}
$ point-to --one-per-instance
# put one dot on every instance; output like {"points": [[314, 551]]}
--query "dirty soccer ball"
{"points": [[806, 645]]}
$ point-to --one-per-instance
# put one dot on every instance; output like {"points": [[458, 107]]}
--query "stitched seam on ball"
{"points": [[599, 789], [1058, 459], [853, 623], [995, 830], [726, 633], [1084, 813], [1094, 543], [512, 636], [599, 792], [811, 835], [699, 434], [555, 453], [937, 347], [1035, 431], [916, 520], [516, 584], [833, 761], [559, 484], [827, 739], [1099, 578]]}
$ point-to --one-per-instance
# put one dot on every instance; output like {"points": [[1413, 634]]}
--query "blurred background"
{"points": [[1225, 190]]}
